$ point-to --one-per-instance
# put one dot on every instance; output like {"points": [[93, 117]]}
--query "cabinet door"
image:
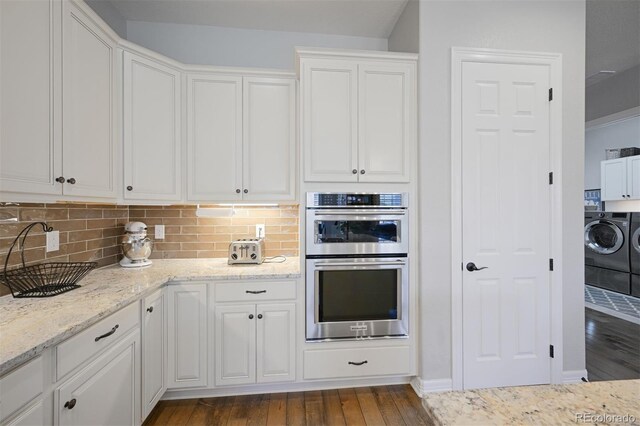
{"points": [[329, 120], [88, 125], [30, 149], [613, 176], [187, 329], [633, 178], [235, 344], [107, 391], [34, 415], [276, 352], [386, 121], [214, 138], [269, 138], [152, 149], [154, 351]]}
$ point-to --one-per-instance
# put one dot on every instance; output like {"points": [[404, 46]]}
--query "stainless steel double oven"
{"points": [[357, 282]]}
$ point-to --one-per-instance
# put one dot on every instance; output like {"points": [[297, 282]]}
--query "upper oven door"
{"points": [[357, 231]]}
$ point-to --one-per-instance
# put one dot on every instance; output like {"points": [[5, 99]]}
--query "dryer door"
{"points": [[603, 237], [635, 240]]}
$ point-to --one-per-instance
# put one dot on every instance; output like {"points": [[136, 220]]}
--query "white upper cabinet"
{"points": [[620, 179], [269, 126], [329, 93], [359, 115], [240, 138], [152, 131], [214, 137], [30, 148], [89, 105], [386, 121]]}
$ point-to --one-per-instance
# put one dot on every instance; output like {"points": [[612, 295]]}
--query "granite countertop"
{"points": [[595, 403], [28, 326]]}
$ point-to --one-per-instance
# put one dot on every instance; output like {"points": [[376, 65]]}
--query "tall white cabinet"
{"points": [[359, 115], [240, 137], [152, 120]]}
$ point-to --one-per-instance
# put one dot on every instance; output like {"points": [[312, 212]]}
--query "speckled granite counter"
{"points": [[595, 403], [28, 326]]}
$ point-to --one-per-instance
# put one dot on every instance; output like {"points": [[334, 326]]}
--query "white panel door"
{"points": [[613, 178], [214, 137], [506, 225], [633, 178], [235, 344], [88, 126], [154, 351], [107, 391], [152, 135], [329, 120], [187, 330], [386, 124], [276, 348], [30, 145], [269, 135]]}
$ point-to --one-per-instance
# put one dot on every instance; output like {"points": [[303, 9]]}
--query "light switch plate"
{"points": [[159, 232], [53, 241]]}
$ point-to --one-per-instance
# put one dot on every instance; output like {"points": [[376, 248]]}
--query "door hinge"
{"points": [[551, 351], [551, 94], [551, 264], [550, 178]]}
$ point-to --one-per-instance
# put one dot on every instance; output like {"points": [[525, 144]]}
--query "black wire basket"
{"points": [[44, 279]]}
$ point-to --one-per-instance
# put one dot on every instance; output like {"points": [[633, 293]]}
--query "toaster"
{"points": [[246, 251]]}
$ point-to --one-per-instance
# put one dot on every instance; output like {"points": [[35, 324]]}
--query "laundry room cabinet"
{"points": [[240, 137], [359, 116], [58, 107], [620, 179], [152, 117]]}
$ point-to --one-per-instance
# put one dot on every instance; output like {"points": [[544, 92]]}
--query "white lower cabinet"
{"points": [[187, 332], [105, 392], [154, 351], [19, 388], [34, 415], [255, 343]]}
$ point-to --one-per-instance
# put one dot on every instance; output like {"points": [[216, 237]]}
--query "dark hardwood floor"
{"points": [[613, 347], [380, 405]]}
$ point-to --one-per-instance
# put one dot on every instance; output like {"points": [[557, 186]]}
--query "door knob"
{"points": [[471, 267]]}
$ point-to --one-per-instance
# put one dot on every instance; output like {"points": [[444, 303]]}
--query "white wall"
{"points": [[208, 45], [404, 36], [615, 94], [110, 15], [619, 134], [547, 26]]}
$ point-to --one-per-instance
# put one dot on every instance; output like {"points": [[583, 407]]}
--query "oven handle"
{"points": [[398, 262], [361, 212]]}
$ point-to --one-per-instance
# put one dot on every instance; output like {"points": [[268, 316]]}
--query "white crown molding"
{"points": [[613, 118]]}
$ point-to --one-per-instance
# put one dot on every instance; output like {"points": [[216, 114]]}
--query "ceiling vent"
{"points": [[598, 77]]}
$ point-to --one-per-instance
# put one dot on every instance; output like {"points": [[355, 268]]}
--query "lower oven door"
{"points": [[357, 298]]}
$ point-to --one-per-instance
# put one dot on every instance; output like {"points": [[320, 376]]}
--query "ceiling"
{"points": [[613, 35], [364, 18]]}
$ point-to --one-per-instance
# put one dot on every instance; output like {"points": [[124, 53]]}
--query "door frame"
{"points": [[459, 55]]}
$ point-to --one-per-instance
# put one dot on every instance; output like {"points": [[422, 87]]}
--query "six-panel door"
{"points": [[152, 111], [187, 328], [154, 351]]}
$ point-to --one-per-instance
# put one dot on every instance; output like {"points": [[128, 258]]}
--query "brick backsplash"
{"points": [[189, 236], [87, 233], [91, 232]]}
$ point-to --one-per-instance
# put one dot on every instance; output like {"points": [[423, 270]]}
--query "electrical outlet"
{"points": [[53, 241], [260, 231], [159, 232]]}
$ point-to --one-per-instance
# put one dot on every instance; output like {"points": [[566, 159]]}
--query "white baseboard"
{"points": [[574, 376], [423, 387]]}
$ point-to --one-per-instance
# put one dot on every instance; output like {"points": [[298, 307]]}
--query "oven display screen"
{"points": [[359, 231], [358, 295]]}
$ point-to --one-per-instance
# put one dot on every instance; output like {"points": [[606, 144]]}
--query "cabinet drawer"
{"points": [[20, 386], [83, 346], [335, 363], [254, 291]]}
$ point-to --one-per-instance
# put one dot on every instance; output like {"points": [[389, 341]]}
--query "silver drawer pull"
{"points": [[358, 363], [113, 330], [255, 291]]}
